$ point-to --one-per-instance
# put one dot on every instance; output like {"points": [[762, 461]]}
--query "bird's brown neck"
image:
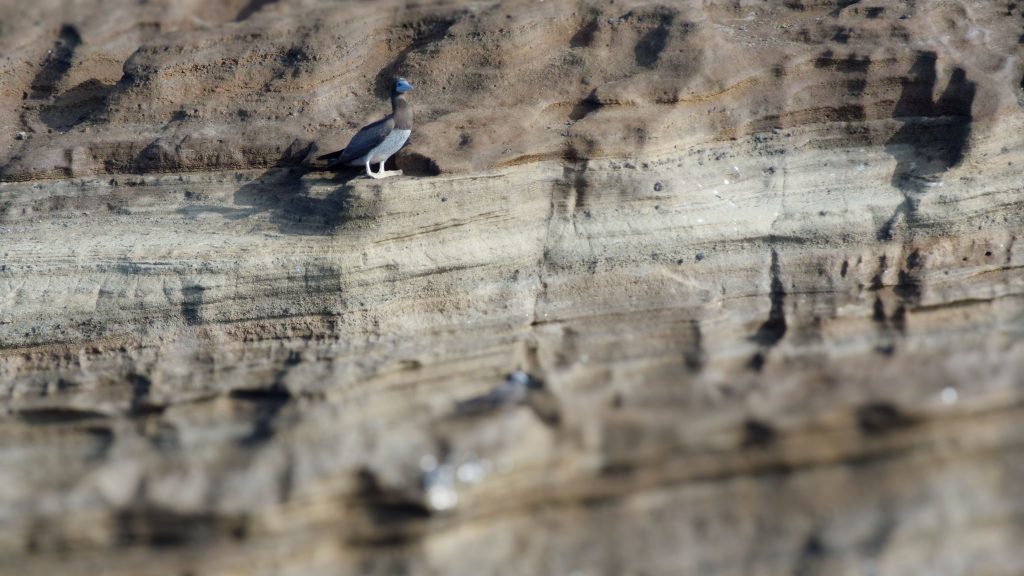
{"points": [[402, 112]]}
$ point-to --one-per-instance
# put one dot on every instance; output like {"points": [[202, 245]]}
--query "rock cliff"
{"points": [[761, 262]]}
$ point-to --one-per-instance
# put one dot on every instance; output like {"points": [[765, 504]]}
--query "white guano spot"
{"points": [[950, 396]]}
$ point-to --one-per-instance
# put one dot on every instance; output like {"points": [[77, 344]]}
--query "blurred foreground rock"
{"points": [[761, 262]]}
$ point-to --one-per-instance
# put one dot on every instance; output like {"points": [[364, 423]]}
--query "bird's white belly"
{"points": [[381, 152]]}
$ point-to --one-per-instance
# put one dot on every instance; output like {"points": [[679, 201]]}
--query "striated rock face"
{"points": [[760, 260]]}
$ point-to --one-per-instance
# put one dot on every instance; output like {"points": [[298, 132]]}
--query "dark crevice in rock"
{"points": [[267, 404], [899, 319], [757, 434], [880, 417], [574, 184], [774, 328], [914, 260], [103, 438], [160, 528], [876, 280], [848, 65], [192, 303], [140, 401], [811, 554], [908, 288], [855, 87], [773, 468], [579, 185], [878, 313], [756, 362], [58, 415], [695, 356], [391, 518], [842, 5], [907, 292], [886, 349]]}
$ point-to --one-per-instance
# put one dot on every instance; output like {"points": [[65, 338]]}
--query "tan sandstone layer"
{"points": [[762, 260]]}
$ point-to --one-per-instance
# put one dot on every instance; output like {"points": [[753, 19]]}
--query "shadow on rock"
{"points": [[285, 192], [57, 64], [288, 195], [76, 105], [934, 135], [304, 197]]}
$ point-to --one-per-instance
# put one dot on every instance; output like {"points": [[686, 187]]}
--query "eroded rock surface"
{"points": [[761, 261]]}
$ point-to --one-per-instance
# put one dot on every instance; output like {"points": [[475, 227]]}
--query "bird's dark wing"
{"points": [[363, 141], [331, 155]]}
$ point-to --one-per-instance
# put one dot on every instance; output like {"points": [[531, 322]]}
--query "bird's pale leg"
{"points": [[370, 172], [385, 173]]}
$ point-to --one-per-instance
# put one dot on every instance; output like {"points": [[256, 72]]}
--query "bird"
{"points": [[518, 389], [377, 142], [513, 390]]}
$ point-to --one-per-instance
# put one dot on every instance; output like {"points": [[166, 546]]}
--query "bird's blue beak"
{"points": [[402, 87]]}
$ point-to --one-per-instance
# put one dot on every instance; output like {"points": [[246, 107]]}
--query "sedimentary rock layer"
{"points": [[761, 261]]}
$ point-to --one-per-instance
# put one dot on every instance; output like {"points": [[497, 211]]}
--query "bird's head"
{"points": [[402, 86], [523, 379]]}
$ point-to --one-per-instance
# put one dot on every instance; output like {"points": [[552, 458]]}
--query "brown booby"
{"points": [[377, 142]]}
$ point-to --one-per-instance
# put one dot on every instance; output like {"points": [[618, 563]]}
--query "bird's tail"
{"points": [[331, 155]]}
